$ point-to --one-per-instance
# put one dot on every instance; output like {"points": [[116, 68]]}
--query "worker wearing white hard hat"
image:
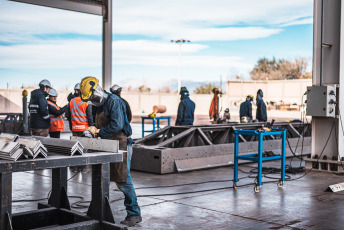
{"points": [[55, 113], [38, 107]]}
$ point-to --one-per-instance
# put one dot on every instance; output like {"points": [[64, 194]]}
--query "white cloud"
{"points": [[192, 19], [299, 22], [72, 54]]}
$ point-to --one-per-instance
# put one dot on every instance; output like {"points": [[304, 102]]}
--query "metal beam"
{"points": [[83, 7], [107, 44]]}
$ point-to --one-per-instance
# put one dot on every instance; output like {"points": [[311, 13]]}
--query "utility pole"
{"points": [[180, 42]]}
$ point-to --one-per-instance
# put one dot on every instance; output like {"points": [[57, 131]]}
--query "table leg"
{"points": [[236, 153], [169, 121], [153, 125], [58, 197], [143, 127], [5, 201], [260, 159], [158, 125], [100, 207], [283, 156]]}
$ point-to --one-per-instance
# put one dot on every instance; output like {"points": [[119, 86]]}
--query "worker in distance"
{"points": [[186, 108], [245, 111]]}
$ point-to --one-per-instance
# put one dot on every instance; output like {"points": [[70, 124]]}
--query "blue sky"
{"points": [[227, 38]]}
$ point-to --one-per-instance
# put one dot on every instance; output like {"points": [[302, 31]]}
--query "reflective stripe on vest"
{"points": [[78, 114], [56, 122]]}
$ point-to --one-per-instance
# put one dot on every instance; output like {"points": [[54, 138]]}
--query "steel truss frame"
{"points": [[184, 148]]}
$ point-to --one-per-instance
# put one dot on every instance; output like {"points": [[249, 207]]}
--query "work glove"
{"points": [[93, 130]]}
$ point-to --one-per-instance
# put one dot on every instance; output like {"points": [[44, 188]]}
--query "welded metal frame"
{"points": [[96, 7], [184, 148]]}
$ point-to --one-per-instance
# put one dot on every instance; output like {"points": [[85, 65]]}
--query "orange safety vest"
{"points": [[56, 122], [78, 114]]}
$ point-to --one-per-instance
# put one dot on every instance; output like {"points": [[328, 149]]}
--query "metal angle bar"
{"points": [[189, 138], [224, 137], [204, 136], [175, 138], [96, 144], [293, 131], [82, 7], [153, 135], [164, 135]]}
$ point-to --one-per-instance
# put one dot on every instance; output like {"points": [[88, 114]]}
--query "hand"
{"points": [[93, 130]]}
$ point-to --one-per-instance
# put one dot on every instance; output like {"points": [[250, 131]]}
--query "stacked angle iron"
{"points": [[9, 136], [33, 147], [61, 146], [10, 150]]}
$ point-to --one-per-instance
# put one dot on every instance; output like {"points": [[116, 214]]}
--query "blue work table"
{"points": [[258, 157], [156, 121]]}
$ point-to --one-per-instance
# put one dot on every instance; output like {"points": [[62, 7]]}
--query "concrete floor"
{"points": [[300, 204]]}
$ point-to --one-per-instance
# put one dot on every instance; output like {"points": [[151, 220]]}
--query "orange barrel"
{"points": [[159, 108]]}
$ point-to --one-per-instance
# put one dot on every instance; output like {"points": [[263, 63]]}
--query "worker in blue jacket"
{"points": [[39, 112], [112, 123], [186, 108], [246, 109], [261, 114]]}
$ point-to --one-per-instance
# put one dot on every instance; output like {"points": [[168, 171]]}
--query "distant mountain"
{"points": [[156, 85]]}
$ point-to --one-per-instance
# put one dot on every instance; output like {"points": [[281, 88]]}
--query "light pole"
{"points": [[180, 42]]}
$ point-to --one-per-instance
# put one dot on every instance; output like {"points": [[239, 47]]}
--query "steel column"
{"points": [[107, 44]]}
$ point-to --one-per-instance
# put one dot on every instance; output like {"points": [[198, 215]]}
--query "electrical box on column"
{"points": [[321, 101]]}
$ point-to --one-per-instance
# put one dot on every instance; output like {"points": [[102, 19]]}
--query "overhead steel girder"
{"points": [[95, 7], [78, 6]]}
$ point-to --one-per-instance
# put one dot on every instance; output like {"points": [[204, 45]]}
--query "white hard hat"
{"points": [[77, 86], [115, 89], [53, 92], [45, 83]]}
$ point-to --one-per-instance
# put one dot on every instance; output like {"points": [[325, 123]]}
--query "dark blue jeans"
{"points": [[130, 200]]}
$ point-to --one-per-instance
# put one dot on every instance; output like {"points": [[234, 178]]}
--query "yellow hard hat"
{"points": [[87, 85]]}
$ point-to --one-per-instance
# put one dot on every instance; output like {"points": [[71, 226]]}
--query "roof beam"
{"points": [[82, 7]]}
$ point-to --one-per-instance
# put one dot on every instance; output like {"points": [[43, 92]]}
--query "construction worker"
{"points": [[55, 113], [246, 109], [38, 107], [261, 114], [113, 124], [79, 115], [214, 106], [226, 114], [116, 89], [76, 92], [186, 108]]}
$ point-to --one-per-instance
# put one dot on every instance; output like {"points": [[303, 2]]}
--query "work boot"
{"points": [[131, 220]]}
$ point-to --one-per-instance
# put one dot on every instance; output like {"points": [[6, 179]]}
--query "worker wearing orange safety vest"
{"points": [[55, 113], [79, 116]]}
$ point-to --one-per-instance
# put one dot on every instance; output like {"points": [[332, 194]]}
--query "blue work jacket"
{"points": [[39, 113], [186, 110], [261, 111], [246, 109], [114, 109]]}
